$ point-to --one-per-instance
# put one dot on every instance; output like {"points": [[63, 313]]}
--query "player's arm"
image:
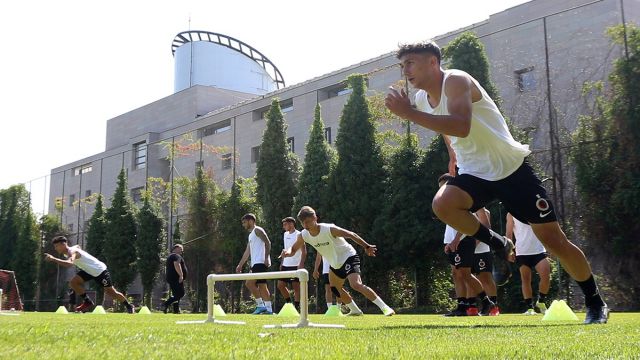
{"points": [[303, 258], [453, 246], [297, 245], [368, 248], [457, 123], [244, 259], [316, 266], [267, 246], [64, 263], [509, 227], [176, 265], [453, 160]]}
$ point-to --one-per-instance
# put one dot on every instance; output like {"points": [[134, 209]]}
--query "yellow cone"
{"points": [[217, 310], [62, 310], [99, 310], [333, 310], [144, 310], [559, 311], [288, 310]]}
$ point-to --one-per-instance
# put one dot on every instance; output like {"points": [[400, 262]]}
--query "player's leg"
{"points": [[527, 291], [355, 281], [543, 267]]}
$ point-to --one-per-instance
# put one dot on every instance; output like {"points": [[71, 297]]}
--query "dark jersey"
{"points": [[172, 274]]}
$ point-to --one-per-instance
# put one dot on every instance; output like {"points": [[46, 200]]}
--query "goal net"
{"points": [[10, 298]]}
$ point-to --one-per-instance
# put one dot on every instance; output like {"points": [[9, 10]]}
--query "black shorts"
{"points": [[350, 266], [289, 268], [325, 279], [104, 279], [530, 260], [463, 258], [482, 262], [521, 193], [258, 268]]}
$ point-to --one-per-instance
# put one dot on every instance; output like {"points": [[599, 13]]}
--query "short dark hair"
{"points": [[249, 216], [59, 239], [177, 246], [446, 177], [289, 219], [423, 47], [306, 212]]}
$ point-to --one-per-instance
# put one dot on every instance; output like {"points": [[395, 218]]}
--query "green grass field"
{"points": [[157, 336]]}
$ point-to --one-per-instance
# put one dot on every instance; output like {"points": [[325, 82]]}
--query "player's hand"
{"points": [[238, 269], [316, 274], [48, 257], [267, 262], [512, 257], [398, 102], [180, 279], [447, 249], [285, 253], [453, 246], [370, 250]]}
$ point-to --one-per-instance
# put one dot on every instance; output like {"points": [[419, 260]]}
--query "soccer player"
{"points": [[530, 254], [90, 268], [491, 163], [291, 263], [344, 262], [258, 248], [176, 271]]}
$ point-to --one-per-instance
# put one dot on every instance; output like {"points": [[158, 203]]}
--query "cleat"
{"points": [[495, 311], [259, 310], [84, 307], [541, 307], [456, 312], [487, 305], [131, 309], [529, 312], [355, 313], [266, 312], [387, 311], [164, 308], [597, 315], [472, 311]]}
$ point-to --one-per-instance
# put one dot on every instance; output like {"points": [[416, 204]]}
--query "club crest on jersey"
{"points": [[542, 204]]}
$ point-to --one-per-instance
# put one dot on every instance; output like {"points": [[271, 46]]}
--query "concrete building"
{"points": [[541, 54]]}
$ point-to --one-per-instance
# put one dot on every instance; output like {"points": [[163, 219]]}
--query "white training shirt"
{"points": [[325, 265], [256, 247], [289, 240], [489, 151], [335, 250], [450, 234], [526, 241], [87, 262]]}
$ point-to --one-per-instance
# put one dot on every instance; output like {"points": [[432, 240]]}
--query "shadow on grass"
{"points": [[467, 326]]}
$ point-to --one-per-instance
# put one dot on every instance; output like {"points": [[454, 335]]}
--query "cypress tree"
{"points": [[96, 239], [151, 237], [50, 226], [275, 176], [121, 232], [26, 259], [319, 158]]}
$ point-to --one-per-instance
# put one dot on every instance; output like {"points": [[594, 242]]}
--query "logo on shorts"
{"points": [[105, 282], [482, 265], [457, 259], [347, 267], [543, 205]]}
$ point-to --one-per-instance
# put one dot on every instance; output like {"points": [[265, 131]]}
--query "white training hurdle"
{"points": [[301, 274]]}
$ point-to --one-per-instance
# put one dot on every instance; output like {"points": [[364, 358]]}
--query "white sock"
{"points": [[353, 307], [259, 302], [329, 305], [380, 303], [267, 304]]}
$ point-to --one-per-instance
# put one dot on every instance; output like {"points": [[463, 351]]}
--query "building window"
{"points": [[292, 144], [72, 199], [335, 91], [525, 79], [226, 161], [255, 154], [82, 169], [217, 128], [327, 134], [286, 105], [136, 195], [260, 114], [87, 193], [140, 155]]}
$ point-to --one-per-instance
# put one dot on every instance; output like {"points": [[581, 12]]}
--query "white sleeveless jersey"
{"points": [[489, 151], [325, 265], [289, 240], [336, 250], [449, 234], [87, 262], [526, 241], [256, 247]]}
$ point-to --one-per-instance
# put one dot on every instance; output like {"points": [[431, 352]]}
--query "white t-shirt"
{"points": [[335, 250], [526, 241], [87, 262], [489, 151], [450, 234], [256, 247], [289, 240]]}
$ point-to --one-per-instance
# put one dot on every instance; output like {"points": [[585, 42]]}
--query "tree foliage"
{"points": [[49, 299], [96, 240], [149, 243], [121, 232]]}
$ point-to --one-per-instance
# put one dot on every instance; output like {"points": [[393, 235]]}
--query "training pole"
{"points": [[301, 274]]}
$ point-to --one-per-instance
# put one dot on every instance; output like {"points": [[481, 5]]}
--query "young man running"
{"points": [[328, 239], [258, 248], [491, 163]]}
